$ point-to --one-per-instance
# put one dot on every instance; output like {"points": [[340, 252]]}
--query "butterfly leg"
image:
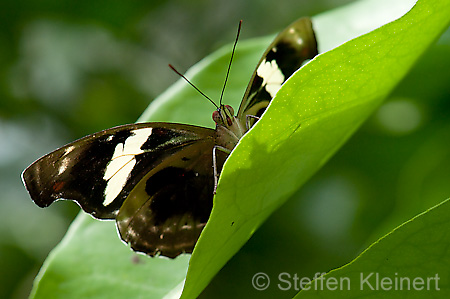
{"points": [[247, 122], [216, 173]]}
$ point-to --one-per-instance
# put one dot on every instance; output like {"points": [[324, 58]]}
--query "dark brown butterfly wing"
{"points": [[290, 49], [155, 178], [167, 210]]}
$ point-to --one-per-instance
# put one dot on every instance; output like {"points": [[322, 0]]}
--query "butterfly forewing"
{"points": [[290, 49], [100, 170]]}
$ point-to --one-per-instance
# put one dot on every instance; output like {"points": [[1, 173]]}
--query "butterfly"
{"points": [[156, 179]]}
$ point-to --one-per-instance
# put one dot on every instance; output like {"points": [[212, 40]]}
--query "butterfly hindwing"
{"points": [[290, 49], [167, 209]]}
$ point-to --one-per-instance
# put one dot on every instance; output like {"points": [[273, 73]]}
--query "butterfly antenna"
{"points": [[182, 76], [231, 60]]}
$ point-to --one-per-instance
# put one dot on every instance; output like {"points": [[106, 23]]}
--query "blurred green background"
{"points": [[70, 68]]}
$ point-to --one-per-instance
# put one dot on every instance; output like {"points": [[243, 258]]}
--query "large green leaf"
{"points": [[91, 263], [337, 91], [313, 114], [412, 261]]}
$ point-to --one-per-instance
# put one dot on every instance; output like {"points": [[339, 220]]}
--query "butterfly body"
{"points": [[157, 179], [229, 129]]}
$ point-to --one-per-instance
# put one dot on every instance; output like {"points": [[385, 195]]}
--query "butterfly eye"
{"points": [[216, 117], [230, 109]]}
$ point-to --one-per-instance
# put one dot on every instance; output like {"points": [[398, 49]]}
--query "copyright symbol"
{"points": [[260, 281]]}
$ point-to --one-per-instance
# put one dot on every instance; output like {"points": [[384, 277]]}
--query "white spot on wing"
{"points": [[122, 163], [65, 161], [272, 76]]}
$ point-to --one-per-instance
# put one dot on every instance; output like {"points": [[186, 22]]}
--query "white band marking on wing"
{"points": [[272, 76], [122, 163]]}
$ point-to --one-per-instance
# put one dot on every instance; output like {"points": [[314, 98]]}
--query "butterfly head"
{"points": [[224, 116], [225, 119]]}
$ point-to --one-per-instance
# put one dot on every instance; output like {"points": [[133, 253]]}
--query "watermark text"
{"points": [[371, 281]]}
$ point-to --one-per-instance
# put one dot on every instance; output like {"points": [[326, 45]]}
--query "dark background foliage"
{"points": [[70, 68]]}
